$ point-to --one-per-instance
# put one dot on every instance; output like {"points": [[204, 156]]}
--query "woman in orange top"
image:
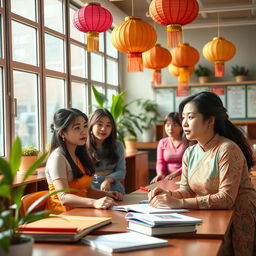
{"points": [[69, 167]]}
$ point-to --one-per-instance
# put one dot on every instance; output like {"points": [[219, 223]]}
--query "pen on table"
{"points": [[144, 189]]}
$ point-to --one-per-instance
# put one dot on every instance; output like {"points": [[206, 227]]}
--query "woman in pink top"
{"points": [[170, 149]]}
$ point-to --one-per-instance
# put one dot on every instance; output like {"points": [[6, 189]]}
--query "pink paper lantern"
{"points": [[92, 19]]}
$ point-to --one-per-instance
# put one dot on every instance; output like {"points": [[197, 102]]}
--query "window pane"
{"points": [[24, 43], [110, 92], [111, 50], [55, 99], [94, 103], [78, 61], [1, 37], [79, 97], [97, 71], [112, 72], [101, 42], [53, 15], [74, 32], [54, 53], [25, 8], [26, 121], [1, 114]]}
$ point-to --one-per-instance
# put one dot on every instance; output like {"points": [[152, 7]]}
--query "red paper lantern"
{"points": [[219, 50], [133, 36], [184, 57], [174, 14], [156, 59], [92, 19]]}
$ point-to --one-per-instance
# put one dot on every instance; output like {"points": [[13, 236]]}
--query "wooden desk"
{"points": [[177, 247]]}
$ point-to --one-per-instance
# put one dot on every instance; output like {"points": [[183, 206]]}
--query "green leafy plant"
{"points": [[126, 122], [202, 71], [29, 151], [239, 70], [148, 113], [11, 196]]}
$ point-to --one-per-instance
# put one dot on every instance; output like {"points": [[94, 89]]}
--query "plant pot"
{"points": [[25, 248], [26, 162], [148, 135], [240, 78], [203, 79], [130, 146]]}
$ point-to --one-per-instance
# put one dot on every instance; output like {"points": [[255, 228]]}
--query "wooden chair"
{"points": [[27, 200]]}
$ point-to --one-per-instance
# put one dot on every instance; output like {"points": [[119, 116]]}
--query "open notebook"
{"points": [[122, 242], [63, 228], [144, 208]]}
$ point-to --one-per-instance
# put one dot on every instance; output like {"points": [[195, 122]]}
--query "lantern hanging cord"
{"points": [[132, 9], [218, 24]]}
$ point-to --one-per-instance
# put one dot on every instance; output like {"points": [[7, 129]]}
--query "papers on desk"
{"points": [[161, 224], [123, 242], [145, 208]]}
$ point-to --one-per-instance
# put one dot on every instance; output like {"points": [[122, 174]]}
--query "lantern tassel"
{"points": [[92, 41], [134, 63], [157, 77], [219, 69], [183, 78], [174, 35]]}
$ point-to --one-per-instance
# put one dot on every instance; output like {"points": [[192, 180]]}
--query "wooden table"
{"points": [[177, 247]]}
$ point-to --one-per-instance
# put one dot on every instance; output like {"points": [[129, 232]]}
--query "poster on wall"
{"points": [[164, 100], [251, 101], [220, 91], [194, 90], [181, 94], [236, 101]]}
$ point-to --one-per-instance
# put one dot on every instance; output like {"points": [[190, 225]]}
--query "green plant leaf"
{"points": [[99, 97], [117, 106], [5, 239], [5, 169], [35, 216], [35, 165], [4, 190], [17, 194], [15, 156]]}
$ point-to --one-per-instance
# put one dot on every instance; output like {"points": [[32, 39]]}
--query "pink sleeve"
{"points": [[160, 162]]}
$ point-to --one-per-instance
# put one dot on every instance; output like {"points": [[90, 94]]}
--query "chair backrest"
{"points": [[27, 200]]}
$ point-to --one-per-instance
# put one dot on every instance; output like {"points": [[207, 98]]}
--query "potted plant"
{"points": [[126, 122], [130, 143], [12, 242], [240, 73], [28, 156], [148, 114], [203, 74]]}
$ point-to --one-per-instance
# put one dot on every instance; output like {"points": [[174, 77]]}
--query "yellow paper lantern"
{"points": [[218, 51], [133, 36]]}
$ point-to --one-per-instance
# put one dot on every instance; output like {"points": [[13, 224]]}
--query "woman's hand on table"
{"points": [[103, 203], [115, 195], [165, 199]]}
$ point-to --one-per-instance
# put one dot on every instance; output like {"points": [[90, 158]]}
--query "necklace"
{"points": [[208, 141]]}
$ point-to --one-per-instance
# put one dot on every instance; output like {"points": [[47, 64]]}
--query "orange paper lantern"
{"points": [[174, 71], [133, 36], [174, 14], [156, 58], [219, 50], [184, 57]]}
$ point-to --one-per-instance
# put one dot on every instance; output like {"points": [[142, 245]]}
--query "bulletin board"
{"points": [[239, 99]]}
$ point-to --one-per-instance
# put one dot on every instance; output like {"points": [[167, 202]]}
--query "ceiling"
{"points": [[230, 12]]}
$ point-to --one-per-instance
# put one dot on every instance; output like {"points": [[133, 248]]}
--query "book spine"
{"points": [[48, 229]]}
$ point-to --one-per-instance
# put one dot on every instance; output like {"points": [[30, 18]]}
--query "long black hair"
{"points": [[110, 141], [210, 105], [62, 119]]}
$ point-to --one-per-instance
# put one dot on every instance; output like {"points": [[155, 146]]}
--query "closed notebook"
{"points": [[63, 228], [160, 230], [162, 219], [144, 208], [123, 242]]}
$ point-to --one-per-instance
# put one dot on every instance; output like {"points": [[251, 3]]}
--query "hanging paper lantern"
{"points": [[133, 36], [174, 14], [92, 19], [156, 59], [219, 50], [174, 71], [184, 57]]}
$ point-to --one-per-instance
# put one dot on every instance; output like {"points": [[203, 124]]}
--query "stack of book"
{"points": [[161, 224]]}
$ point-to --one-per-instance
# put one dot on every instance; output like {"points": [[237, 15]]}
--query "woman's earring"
{"points": [[63, 138]]}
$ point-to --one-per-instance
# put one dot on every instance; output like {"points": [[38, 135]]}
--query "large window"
{"points": [[45, 66]]}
